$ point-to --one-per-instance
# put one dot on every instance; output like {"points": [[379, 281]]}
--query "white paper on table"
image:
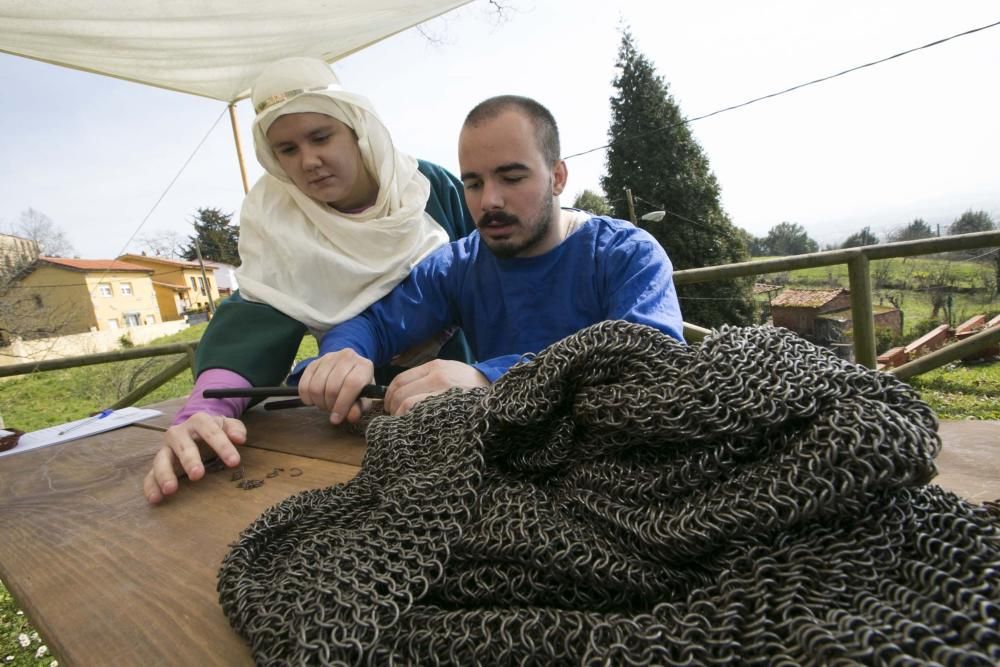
{"points": [[51, 435]]}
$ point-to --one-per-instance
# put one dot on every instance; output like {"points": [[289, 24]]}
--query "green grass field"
{"points": [[45, 399]]}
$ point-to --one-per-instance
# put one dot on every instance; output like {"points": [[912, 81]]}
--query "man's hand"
{"points": [[434, 377], [334, 383], [180, 452]]}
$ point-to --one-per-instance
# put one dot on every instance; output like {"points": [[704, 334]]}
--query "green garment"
{"points": [[259, 342]]}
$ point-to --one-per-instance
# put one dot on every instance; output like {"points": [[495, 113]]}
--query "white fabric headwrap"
{"points": [[316, 264]]}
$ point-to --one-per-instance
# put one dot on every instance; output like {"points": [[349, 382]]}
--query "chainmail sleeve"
{"points": [[624, 499]]}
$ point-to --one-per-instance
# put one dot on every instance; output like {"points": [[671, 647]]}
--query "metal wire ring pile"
{"points": [[625, 499]]}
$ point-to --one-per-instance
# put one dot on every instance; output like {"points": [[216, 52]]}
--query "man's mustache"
{"points": [[497, 216]]}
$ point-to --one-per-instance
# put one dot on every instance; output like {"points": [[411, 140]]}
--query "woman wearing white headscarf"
{"points": [[338, 220]]}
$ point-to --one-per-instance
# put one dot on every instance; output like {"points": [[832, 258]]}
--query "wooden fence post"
{"points": [[192, 361], [154, 382], [862, 318]]}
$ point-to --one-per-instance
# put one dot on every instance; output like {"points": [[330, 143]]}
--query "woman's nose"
{"points": [[310, 159]]}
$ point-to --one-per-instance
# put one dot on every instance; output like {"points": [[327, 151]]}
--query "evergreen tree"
{"points": [[654, 154], [977, 221], [916, 230], [590, 201], [864, 237], [216, 235], [971, 222], [758, 246], [789, 238]]}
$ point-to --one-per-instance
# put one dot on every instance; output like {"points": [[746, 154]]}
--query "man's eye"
{"points": [[513, 179], [472, 186]]}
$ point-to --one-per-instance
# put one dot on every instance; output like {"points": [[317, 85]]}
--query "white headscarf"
{"points": [[310, 261]]}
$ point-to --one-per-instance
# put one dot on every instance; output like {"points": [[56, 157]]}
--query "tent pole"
{"points": [[239, 146]]}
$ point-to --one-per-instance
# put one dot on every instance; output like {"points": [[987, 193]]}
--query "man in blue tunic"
{"points": [[533, 273]]}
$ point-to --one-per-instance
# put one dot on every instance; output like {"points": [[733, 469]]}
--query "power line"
{"points": [[676, 215], [167, 189], [796, 87], [173, 180]]}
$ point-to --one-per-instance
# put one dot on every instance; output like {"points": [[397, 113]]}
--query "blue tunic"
{"points": [[606, 270]]}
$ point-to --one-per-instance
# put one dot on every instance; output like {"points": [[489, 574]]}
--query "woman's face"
{"points": [[321, 157]]}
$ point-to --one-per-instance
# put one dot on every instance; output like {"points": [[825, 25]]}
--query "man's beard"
{"points": [[505, 249]]}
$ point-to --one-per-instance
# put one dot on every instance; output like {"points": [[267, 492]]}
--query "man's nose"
{"points": [[492, 196]]}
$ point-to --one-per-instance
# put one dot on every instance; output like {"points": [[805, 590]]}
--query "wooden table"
{"points": [[108, 579], [105, 578]]}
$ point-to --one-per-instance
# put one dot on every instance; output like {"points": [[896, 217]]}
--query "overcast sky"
{"points": [[918, 136]]}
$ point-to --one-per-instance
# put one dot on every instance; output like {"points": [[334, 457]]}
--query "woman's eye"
{"points": [[286, 150]]}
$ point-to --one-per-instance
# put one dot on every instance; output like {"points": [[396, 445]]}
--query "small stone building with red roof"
{"points": [[824, 316]]}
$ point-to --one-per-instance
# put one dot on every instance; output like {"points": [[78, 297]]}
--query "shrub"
{"points": [[885, 339], [920, 327]]}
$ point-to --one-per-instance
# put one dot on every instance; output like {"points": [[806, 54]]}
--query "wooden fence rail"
{"points": [[99, 358], [859, 277], [856, 259], [161, 378]]}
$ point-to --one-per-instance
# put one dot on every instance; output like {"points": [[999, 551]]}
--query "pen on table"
{"points": [[368, 391], [100, 415]]}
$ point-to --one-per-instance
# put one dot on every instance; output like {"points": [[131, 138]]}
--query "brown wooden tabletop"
{"points": [[108, 579]]}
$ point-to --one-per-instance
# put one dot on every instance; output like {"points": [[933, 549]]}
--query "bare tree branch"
{"points": [[165, 243], [40, 228], [497, 12]]}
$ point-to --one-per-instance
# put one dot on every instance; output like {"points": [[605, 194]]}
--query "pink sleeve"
{"points": [[215, 378]]}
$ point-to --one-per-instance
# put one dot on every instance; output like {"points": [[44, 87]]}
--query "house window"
{"points": [[126, 289], [209, 282], [112, 324], [194, 285], [104, 289], [131, 319], [202, 284]]}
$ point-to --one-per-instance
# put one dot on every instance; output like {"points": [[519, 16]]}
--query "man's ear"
{"points": [[559, 175]]}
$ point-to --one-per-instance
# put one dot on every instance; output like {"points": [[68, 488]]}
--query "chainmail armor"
{"points": [[624, 499]]}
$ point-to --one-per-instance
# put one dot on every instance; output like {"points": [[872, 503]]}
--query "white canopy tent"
{"points": [[211, 48]]}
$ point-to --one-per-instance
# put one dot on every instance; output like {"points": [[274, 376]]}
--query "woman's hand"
{"points": [[334, 383], [182, 452], [412, 386]]}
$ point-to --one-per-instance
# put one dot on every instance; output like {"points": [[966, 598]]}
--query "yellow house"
{"points": [[66, 296], [179, 285]]}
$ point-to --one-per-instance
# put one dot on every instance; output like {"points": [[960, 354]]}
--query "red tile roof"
{"points": [[162, 260], [93, 264], [764, 288], [806, 298]]}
